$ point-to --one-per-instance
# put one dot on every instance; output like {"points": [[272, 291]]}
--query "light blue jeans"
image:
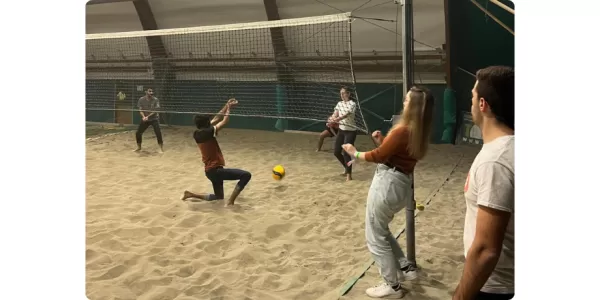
{"points": [[388, 195]]}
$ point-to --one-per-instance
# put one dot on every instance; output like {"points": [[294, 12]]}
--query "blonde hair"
{"points": [[418, 116]]}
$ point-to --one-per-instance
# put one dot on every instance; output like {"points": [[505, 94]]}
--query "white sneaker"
{"points": [[384, 291], [409, 273]]}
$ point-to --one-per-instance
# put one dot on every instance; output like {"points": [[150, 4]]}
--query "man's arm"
{"points": [[157, 106], [225, 119], [218, 116], [496, 203], [140, 108]]}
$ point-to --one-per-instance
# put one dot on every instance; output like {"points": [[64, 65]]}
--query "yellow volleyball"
{"points": [[278, 172]]}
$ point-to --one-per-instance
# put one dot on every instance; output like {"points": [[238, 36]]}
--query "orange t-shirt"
{"points": [[394, 151], [212, 157]]}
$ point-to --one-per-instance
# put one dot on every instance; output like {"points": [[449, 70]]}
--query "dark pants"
{"points": [[344, 137], [143, 126], [488, 296], [218, 175]]}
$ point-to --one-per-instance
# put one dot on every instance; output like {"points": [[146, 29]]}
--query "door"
{"points": [[123, 103]]}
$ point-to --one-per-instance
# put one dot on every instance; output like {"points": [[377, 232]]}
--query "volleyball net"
{"points": [[286, 70]]}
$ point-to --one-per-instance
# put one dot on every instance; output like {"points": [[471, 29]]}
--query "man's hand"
{"points": [[232, 102], [376, 134], [145, 119], [350, 149]]}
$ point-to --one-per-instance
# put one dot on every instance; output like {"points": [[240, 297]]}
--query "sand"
{"points": [[300, 238]]}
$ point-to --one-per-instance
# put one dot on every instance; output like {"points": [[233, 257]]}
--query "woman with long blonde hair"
{"points": [[391, 188]]}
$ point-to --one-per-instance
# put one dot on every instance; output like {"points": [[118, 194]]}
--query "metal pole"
{"points": [[407, 83], [407, 45]]}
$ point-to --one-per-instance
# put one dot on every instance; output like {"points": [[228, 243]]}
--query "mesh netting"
{"points": [[288, 69]]}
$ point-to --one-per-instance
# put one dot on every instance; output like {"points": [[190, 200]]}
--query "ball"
{"points": [[278, 172]]}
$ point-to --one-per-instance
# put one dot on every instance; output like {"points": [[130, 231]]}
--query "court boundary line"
{"points": [[349, 284]]}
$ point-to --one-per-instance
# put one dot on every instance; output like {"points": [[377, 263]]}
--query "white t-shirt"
{"points": [[491, 183], [347, 108]]}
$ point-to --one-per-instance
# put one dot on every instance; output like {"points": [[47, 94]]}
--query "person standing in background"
{"points": [[148, 105], [344, 113]]}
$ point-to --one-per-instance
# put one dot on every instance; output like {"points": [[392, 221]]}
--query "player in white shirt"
{"points": [[345, 111], [489, 234]]}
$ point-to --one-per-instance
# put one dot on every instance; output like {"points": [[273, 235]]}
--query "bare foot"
{"points": [[137, 150], [228, 203], [318, 150], [186, 195], [348, 177]]}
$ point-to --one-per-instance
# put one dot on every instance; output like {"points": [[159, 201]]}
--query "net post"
{"points": [[407, 82]]}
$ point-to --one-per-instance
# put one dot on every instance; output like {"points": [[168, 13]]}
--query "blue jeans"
{"points": [[389, 192], [220, 174]]}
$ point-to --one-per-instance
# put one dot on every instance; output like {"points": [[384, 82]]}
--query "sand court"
{"points": [[300, 238]]}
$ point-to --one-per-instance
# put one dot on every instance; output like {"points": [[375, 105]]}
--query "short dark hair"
{"points": [[202, 121], [496, 85], [345, 88]]}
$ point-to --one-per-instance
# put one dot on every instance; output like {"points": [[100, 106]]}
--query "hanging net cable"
{"points": [[289, 69]]}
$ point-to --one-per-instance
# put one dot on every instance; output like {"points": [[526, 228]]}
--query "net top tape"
{"points": [[220, 28]]}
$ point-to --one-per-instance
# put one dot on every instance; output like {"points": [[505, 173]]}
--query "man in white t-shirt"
{"points": [[345, 111], [489, 234]]}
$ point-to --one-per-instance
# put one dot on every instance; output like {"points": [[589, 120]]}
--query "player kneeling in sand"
{"points": [[206, 138]]}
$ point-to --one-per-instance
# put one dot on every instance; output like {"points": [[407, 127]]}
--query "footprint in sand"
{"points": [[90, 254], [186, 271], [302, 231], [154, 231], [190, 221], [277, 230], [112, 273]]}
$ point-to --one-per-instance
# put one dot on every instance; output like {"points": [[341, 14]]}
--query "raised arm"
{"points": [[225, 119], [221, 112]]}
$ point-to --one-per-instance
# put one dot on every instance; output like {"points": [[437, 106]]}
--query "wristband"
{"points": [[356, 154]]}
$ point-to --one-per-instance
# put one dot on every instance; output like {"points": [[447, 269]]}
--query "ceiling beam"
{"points": [[155, 43], [277, 37]]}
